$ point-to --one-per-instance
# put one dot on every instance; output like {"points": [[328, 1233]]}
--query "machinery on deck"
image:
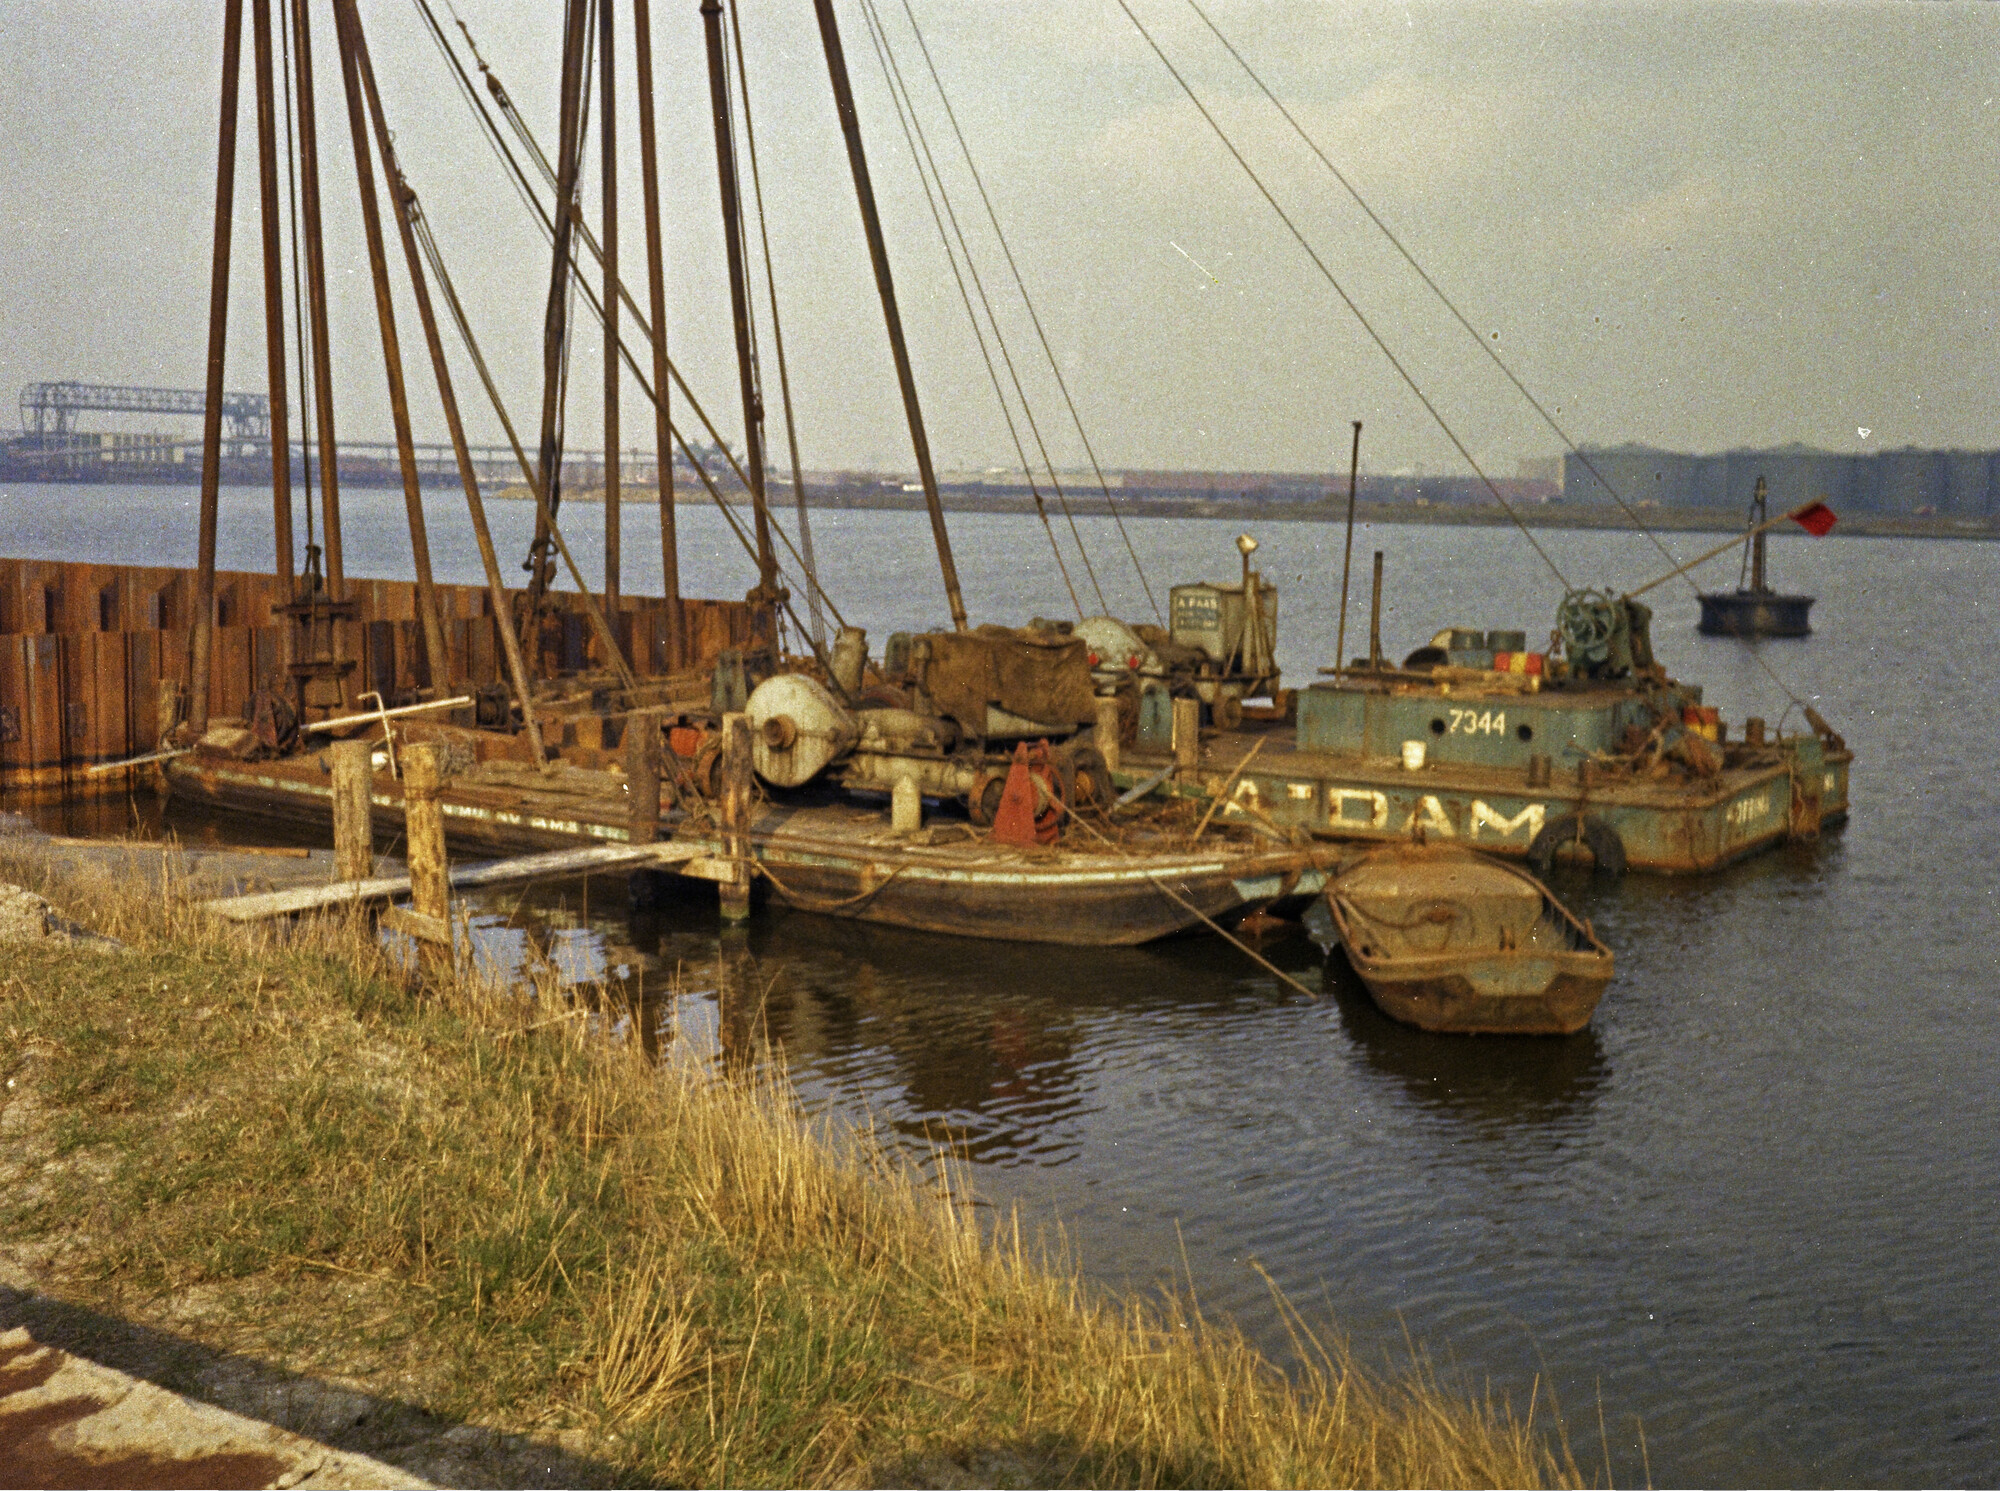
{"points": [[944, 711]]}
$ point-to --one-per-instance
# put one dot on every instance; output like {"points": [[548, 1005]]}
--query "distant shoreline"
{"points": [[1143, 502], [1456, 515]]}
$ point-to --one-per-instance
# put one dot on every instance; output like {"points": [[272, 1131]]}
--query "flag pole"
{"points": [[1795, 515]]}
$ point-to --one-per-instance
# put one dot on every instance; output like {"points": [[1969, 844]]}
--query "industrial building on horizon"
{"points": [[1942, 483], [1962, 485]]}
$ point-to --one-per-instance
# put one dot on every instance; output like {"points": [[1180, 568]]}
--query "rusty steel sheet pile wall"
{"points": [[84, 648]]}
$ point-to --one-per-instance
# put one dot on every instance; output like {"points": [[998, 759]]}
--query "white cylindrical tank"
{"points": [[797, 729]]}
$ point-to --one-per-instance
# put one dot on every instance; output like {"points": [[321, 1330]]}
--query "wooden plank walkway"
{"points": [[600, 858]]}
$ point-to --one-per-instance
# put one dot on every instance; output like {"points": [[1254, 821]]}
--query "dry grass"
{"points": [[553, 1234]]}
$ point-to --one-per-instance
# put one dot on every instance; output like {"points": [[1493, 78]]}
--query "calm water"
{"points": [[1753, 1207]]}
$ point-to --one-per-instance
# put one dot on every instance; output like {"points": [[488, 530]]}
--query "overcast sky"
{"points": [[1693, 225]]}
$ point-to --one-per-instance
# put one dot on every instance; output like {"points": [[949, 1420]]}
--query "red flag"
{"points": [[1817, 519]]}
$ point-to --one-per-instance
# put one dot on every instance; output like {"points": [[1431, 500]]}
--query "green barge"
{"points": [[1788, 788], [1595, 754]]}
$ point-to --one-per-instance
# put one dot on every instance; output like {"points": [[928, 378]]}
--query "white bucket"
{"points": [[1413, 755]]}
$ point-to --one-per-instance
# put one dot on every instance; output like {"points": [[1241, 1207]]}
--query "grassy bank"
{"points": [[480, 1204]]}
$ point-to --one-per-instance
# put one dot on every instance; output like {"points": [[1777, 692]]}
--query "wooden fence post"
{"points": [[642, 773], [353, 812], [423, 829], [735, 765]]}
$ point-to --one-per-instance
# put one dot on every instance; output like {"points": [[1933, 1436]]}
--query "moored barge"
{"points": [[1593, 753], [834, 857]]}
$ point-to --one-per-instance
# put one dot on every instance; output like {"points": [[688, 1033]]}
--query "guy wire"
{"points": [[489, 131], [1446, 301], [777, 334], [518, 176], [1027, 301], [892, 77], [420, 225], [1027, 411], [1340, 290]]}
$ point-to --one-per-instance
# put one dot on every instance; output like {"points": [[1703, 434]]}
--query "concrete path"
{"points": [[66, 1421], [203, 871]]}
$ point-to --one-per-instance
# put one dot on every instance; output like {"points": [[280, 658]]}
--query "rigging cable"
{"points": [[1346, 299], [575, 206], [581, 227], [1443, 299], [1481, 342], [489, 131], [298, 290], [891, 80], [1027, 411], [591, 300], [518, 177], [900, 95], [579, 41], [1026, 300], [734, 18], [420, 225]]}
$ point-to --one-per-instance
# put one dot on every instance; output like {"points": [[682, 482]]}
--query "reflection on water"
{"points": [[1490, 1083], [978, 1046], [1753, 1205]]}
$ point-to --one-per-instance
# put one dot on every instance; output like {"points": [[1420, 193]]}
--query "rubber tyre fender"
{"points": [[1606, 848]]}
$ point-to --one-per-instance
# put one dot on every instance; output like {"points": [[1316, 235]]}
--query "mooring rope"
{"points": [[1241, 947], [813, 903]]}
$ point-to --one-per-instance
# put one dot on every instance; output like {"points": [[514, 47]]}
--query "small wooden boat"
{"points": [[1451, 940]]}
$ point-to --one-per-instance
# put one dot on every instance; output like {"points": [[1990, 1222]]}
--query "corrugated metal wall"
{"points": [[84, 647]]}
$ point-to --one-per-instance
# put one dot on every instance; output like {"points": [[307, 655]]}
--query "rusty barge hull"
{"points": [[833, 860], [1687, 828], [839, 862]]}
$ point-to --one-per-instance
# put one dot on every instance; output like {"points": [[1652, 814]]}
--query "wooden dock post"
{"points": [[1187, 735], [423, 829], [353, 811], [642, 773], [735, 773], [1107, 731]]}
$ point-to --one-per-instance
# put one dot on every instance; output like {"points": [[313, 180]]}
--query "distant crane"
{"points": [[50, 408]]}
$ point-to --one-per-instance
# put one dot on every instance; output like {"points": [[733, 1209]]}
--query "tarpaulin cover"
{"points": [[1042, 676]]}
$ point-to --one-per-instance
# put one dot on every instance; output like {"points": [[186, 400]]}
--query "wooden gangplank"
{"points": [[599, 858]]}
